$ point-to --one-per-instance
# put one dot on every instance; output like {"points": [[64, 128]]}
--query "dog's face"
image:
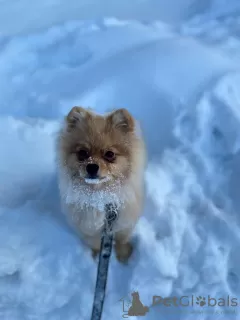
{"points": [[97, 149]]}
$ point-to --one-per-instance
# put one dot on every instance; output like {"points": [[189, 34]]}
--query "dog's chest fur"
{"points": [[85, 207]]}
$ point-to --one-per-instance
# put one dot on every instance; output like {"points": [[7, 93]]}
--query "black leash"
{"points": [[104, 258]]}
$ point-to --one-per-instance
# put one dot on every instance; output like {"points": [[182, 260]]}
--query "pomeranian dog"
{"points": [[101, 160]]}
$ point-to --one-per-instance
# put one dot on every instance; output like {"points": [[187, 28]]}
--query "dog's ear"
{"points": [[75, 116], [122, 120]]}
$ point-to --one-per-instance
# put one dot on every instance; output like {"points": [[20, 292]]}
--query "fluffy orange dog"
{"points": [[101, 159]]}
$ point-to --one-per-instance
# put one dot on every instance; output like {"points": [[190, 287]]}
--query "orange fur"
{"points": [[120, 180]]}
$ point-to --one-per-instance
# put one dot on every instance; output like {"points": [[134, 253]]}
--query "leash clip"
{"points": [[111, 216]]}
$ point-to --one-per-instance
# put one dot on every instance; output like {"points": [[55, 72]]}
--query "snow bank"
{"points": [[47, 13]]}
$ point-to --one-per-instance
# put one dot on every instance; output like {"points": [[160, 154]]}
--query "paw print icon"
{"points": [[201, 301]]}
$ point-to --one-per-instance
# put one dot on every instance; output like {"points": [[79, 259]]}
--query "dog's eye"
{"points": [[109, 156], [82, 154]]}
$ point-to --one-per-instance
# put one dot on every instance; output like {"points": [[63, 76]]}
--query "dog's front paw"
{"points": [[95, 253], [123, 251]]}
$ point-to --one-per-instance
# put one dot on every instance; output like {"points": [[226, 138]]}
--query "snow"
{"points": [[177, 71], [58, 11]]}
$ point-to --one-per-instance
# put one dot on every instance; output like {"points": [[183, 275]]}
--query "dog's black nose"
{"points": [[92, 169]]}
